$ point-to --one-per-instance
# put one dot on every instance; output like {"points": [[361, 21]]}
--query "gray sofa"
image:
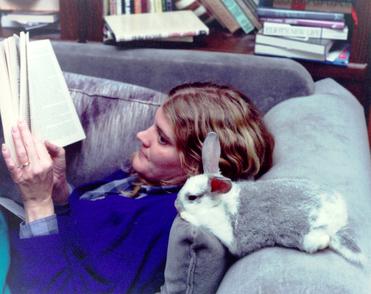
{"points": [[320, 134]]}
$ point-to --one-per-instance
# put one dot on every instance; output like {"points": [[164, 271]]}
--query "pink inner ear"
{"points": [[220, 185]]}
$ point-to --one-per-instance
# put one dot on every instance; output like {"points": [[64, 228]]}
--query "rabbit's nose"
{"points": [[178, 205]]}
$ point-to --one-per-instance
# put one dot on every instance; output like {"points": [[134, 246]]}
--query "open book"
{"points": [[33, 89]]}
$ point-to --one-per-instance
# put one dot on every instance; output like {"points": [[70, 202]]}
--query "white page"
{"points": [[12, 61], [24, 106], [53, 114], [9, 115]]}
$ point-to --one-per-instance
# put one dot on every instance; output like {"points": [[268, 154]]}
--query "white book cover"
{"points": [[144, 26], [288, 30], [310, 45]]}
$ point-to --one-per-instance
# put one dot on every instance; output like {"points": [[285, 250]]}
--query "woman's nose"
{"points": [[143, 137]]}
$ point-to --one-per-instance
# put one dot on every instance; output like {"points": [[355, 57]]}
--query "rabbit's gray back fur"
{"points": [[276, 212]]}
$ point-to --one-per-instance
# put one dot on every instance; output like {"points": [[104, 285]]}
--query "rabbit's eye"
{"points": [[192, 197]]}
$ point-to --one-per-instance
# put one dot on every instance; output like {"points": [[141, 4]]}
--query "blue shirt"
{"points": [[106, 243]]}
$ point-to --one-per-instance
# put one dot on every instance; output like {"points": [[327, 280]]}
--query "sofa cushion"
{"points": [[111, 114], [197, 261], [322, 138]]}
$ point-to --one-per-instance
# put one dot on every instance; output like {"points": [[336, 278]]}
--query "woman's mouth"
{"points": [[142, 154]]}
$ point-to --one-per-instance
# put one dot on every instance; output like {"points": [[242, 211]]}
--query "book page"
{"points": [[12, 61], [9, 115], [53, 114], [24, 106]]}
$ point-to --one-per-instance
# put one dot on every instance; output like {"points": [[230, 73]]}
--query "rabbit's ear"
{"points": [[220, 184], [211, 154]]}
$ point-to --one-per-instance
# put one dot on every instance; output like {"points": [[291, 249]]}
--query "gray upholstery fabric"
{"points": [[111, 114], [266, 80], [322, 138], [197, 261]]}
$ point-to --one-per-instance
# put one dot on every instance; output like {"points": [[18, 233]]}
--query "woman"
{"points": [[112, 236]]}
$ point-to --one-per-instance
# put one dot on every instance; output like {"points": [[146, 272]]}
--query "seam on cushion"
{"points": [[115, 98], [192, 265]]}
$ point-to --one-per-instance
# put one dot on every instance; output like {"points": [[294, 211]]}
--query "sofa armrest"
{"points": [[323, 138]]}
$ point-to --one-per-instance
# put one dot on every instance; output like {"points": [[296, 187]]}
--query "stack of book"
{"points": [[305, 29], [179, 25], [33, 16]]}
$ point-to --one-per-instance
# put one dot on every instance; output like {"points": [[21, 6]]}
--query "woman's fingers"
{"points": [[20, 149], [14, 170], [28, 144], [42, 152], [54, 150]]}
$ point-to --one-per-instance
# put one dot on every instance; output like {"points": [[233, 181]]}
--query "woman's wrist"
{"points": [[61, 193], [35, 210]]}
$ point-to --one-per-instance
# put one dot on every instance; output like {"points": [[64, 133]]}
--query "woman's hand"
{"points": [[33, 175], [60, 191]]}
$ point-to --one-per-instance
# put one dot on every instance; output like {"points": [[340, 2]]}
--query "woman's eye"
{"points": [[162, 140]]}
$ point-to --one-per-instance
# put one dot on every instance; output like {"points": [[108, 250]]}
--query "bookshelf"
{"points": [[81, 20]]}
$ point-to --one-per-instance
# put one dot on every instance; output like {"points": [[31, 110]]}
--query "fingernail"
{"points": [[3, 147], [14, 129]]}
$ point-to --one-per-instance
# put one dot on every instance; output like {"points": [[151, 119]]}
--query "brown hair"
{"points": [[198, 108]]}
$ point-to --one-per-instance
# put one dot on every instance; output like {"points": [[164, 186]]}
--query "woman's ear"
{"points": [[220, 184]]}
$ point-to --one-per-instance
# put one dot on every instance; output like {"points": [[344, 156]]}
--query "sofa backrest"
{"points": [[267, 81]]}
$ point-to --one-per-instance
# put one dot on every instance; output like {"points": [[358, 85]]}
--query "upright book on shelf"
{"points": [[145, 26], [222, 14], [245, 23]]}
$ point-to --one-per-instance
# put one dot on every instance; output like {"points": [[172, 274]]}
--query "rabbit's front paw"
{"points": [[316, 240]]}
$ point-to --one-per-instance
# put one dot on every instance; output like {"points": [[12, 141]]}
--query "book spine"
{"points": [[222, 14], [169, 5], [341, 6], [276, 12], [285, 30], [144, 6], [127, 6], [306, 22], [137, 6], [249, 13], [238, 14], [119, 7]]}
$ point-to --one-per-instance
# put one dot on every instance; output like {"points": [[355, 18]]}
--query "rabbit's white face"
{"points": [[207, 201], [196, 201]]}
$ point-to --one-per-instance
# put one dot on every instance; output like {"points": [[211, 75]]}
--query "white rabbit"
{"points": [[249, 215]]}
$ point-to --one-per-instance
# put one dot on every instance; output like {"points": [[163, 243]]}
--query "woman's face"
{"points": [[158, 158]]}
